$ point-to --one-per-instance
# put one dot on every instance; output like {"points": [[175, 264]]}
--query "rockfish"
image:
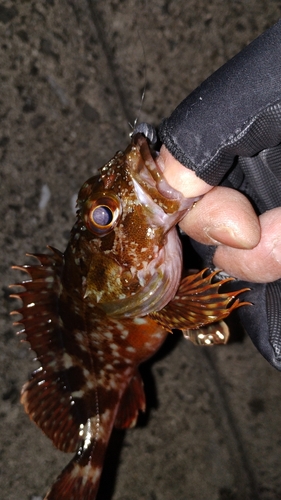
{"points": [[95, 312]]}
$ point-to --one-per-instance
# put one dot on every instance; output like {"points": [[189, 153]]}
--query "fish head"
{"points": [[125, 239]]}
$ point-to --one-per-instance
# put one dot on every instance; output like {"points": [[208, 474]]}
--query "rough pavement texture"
{"points": [[72, 73]]}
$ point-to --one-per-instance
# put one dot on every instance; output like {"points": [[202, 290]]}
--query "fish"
{"points": [[94, 313]]}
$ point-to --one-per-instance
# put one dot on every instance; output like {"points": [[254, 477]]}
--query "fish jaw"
{"points": [[158, 283], [149, 180]]}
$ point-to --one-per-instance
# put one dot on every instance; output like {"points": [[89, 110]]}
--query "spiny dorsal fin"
{"points": [[46, 396]]}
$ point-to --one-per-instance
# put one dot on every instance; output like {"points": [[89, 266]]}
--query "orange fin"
{"points": [[46, 397], [216, 333], [133, 400], [198, 303]]}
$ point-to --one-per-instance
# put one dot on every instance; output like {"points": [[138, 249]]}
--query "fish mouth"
{"points": [[160, 284], [149, 171], [149, 182]]}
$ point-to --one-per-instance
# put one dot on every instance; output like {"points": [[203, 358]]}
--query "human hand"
{"points": [[249, 247], [229, 127]]}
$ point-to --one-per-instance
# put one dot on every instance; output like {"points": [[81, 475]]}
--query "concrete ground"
{"points": [[72, 73]]}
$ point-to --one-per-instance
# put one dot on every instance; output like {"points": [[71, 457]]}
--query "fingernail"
{"points": [[226, 236]]}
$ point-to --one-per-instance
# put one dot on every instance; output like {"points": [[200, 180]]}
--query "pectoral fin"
{"points": [[198, 303]]}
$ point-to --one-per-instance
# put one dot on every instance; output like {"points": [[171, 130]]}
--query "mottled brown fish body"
{"points": [[94, 313]]}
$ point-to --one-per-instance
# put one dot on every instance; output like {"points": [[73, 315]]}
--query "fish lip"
{"points": [[149, 170], [159, 288], [148, 173]]}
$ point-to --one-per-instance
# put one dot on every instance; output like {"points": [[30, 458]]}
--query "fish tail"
{"points": [[80, 478]]}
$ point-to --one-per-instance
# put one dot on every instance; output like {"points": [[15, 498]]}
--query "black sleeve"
{"points": [[229, 132]]}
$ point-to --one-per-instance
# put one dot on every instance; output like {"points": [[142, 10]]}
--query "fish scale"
{"points": [[95, 312]]}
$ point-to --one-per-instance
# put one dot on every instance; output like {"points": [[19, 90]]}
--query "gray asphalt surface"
{"points": [[72, 74]]}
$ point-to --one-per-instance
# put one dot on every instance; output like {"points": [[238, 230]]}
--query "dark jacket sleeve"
{"points": [[228, 131]]}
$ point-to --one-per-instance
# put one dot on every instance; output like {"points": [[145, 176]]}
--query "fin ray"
{"points": [[198, 302], [133, 400], [46, 396]]}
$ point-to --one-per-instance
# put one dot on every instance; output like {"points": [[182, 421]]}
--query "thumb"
{"points": [[180, 177], [222, 216]]}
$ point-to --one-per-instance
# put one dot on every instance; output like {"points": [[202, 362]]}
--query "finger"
{"points": [[180, 177], [223, 216], [262, 264]]}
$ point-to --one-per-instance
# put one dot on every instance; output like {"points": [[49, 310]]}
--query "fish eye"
{"points": [[103, 214]]}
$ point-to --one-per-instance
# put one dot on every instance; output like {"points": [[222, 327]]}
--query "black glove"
{"points": [[229, 132]]}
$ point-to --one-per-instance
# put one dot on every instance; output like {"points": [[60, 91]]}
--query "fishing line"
{"points": [[133, 127]]}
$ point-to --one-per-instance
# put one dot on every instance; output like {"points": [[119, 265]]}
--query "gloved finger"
{"points": [[261, 264], [223, 216], [180, 177]]}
